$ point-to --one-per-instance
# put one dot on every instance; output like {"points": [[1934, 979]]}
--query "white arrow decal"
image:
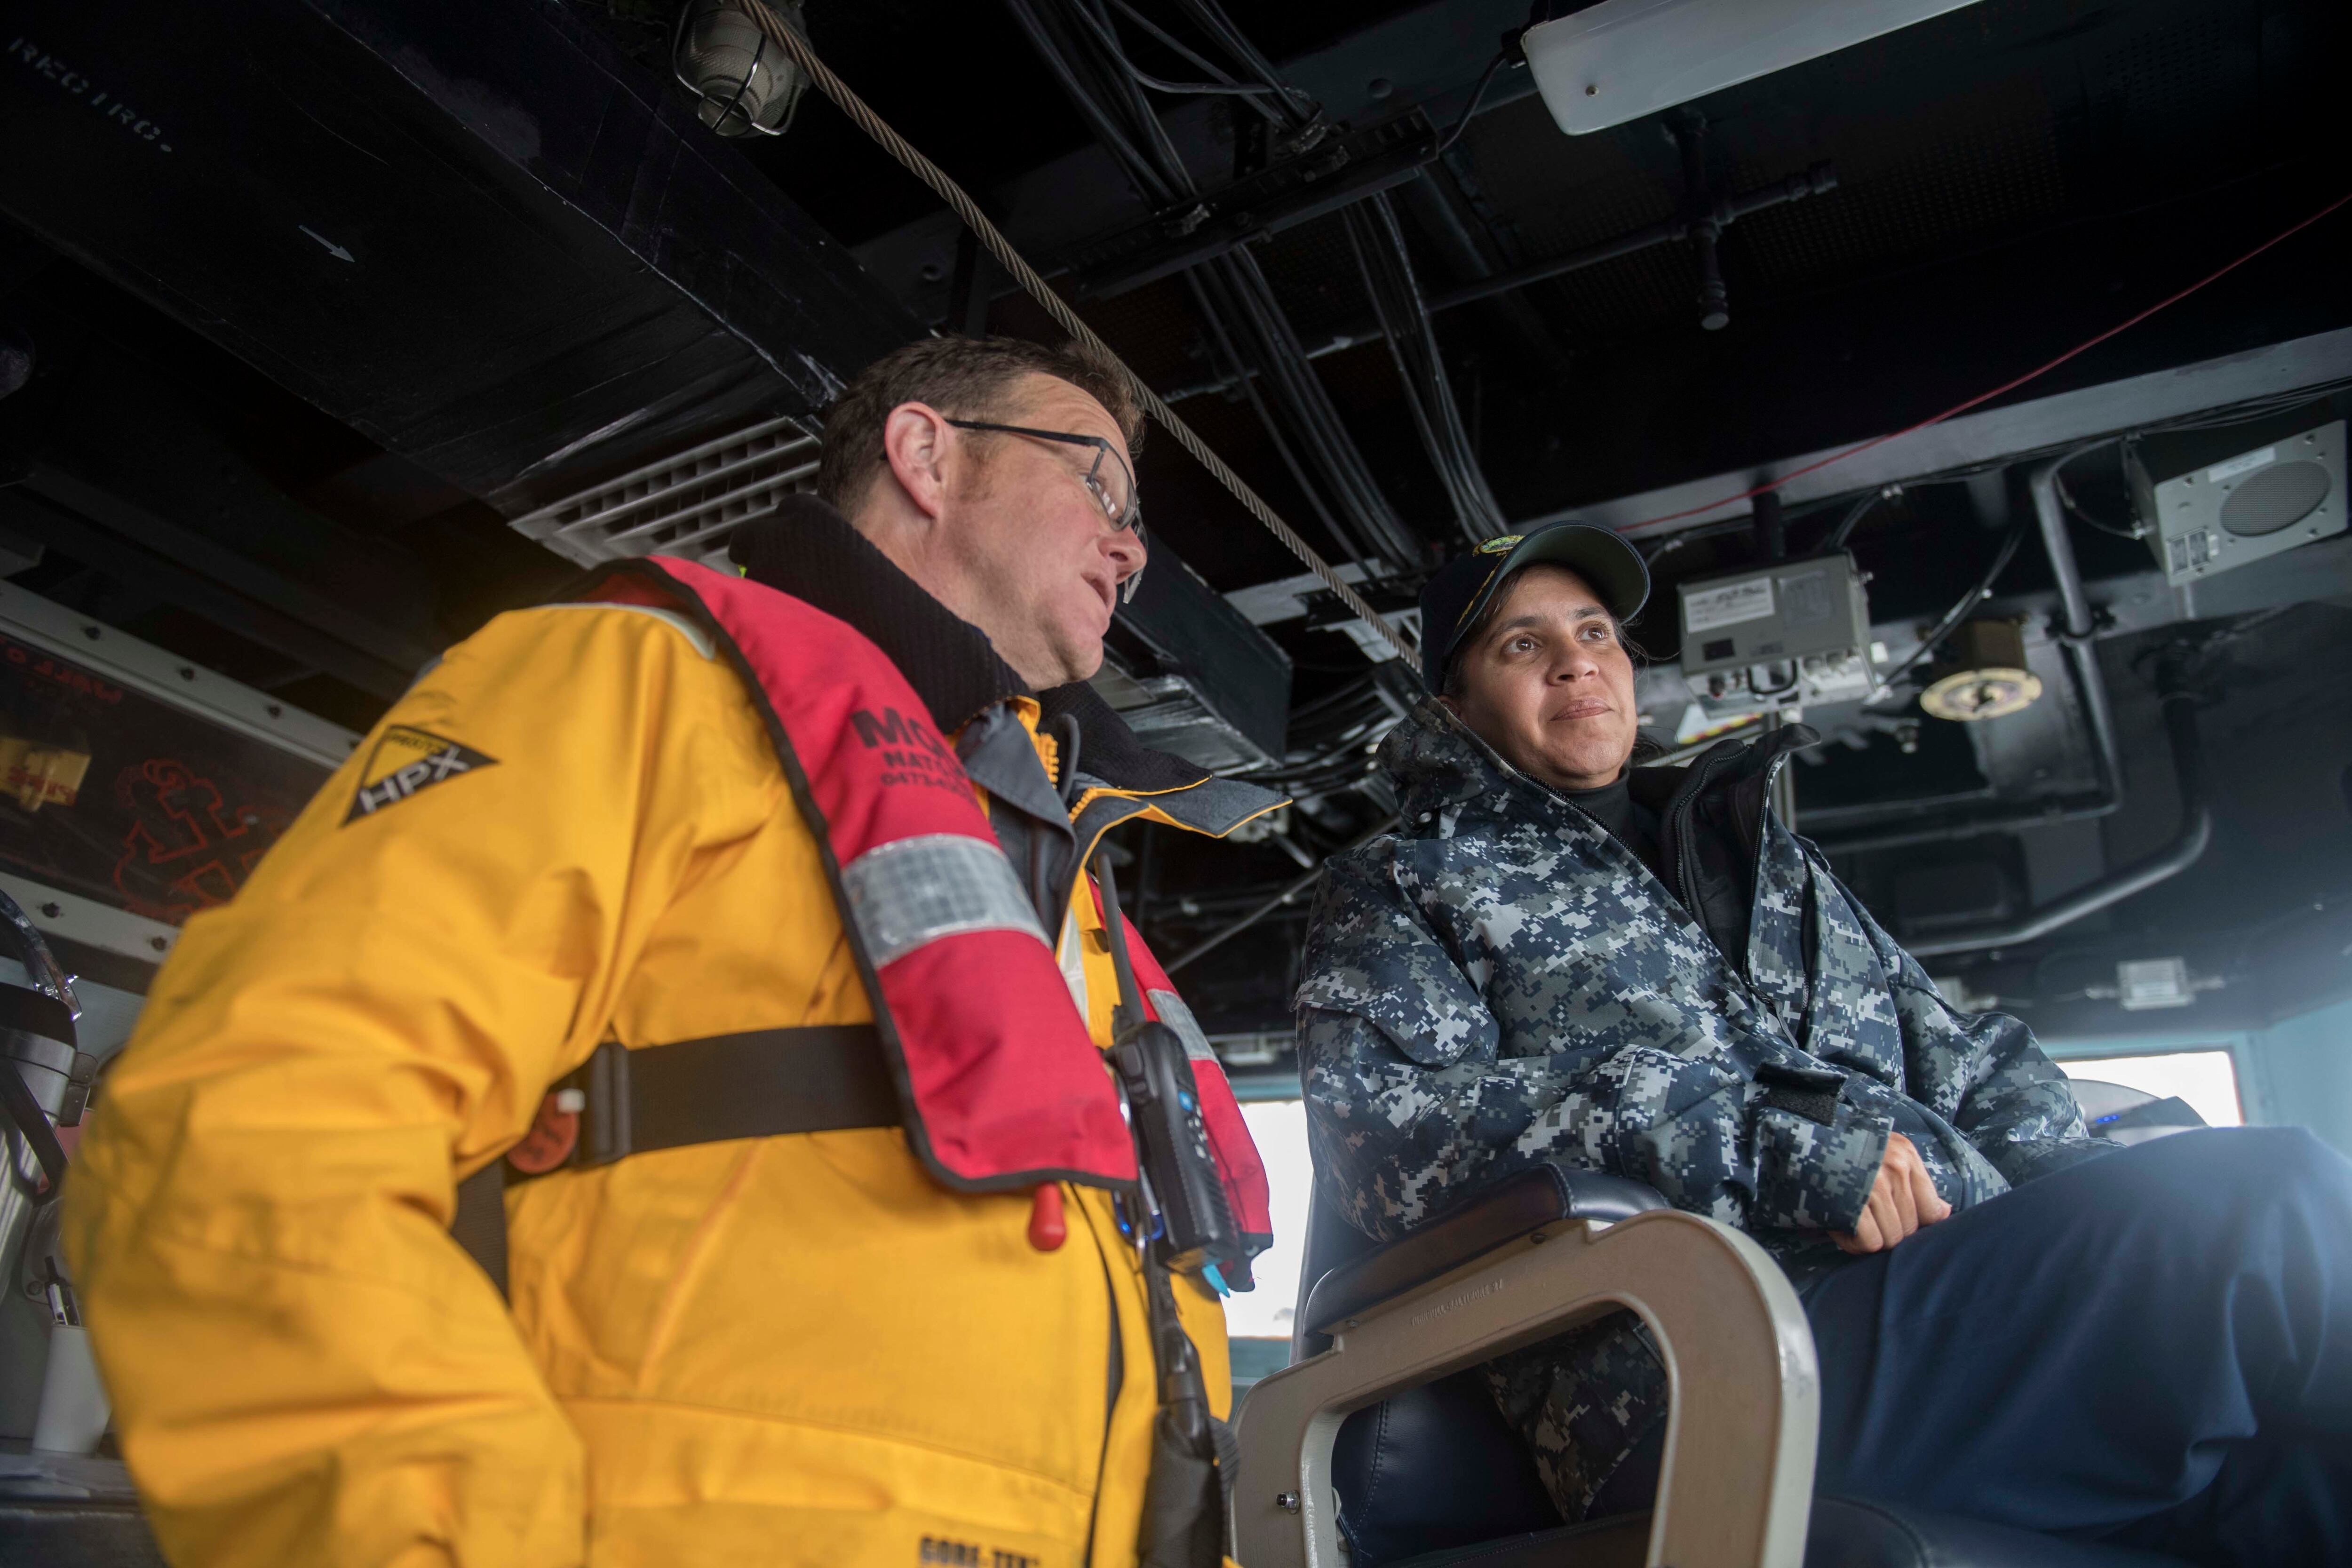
{"points": [[337, 251]]}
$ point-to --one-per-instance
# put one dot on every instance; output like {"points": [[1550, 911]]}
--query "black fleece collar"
{"points": [[1107, 749], [806, 549]]}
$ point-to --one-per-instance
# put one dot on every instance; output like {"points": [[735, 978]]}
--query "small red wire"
{"points": [[1959, 408]]}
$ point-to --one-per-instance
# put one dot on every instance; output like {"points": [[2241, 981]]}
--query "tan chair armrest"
{"points": [[1737, 1481]]}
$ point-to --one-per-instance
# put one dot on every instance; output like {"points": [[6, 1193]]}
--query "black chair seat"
{"points": [[1845, 1534], [66, 1511]]}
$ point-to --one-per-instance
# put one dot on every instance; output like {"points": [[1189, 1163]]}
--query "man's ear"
{"points": [[1451, 704], [917, 440]]}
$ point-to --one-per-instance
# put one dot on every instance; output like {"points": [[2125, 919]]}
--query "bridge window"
{"points": [[1278, 1127], [2208, 1080]]}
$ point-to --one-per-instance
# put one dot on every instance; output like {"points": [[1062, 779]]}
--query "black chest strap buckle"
{"points": [[820, 1077]]}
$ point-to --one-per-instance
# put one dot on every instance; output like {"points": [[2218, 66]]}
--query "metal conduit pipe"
{"points": [[1975, 825], [2082, 659], [2187, 843], [2076, 603], [2077, 622]]}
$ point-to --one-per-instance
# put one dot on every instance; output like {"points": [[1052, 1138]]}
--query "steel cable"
{"points": [[968, 212]]}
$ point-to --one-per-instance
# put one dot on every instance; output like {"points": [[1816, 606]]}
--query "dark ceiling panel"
{"points": [[1982, 162], [475, 233]]}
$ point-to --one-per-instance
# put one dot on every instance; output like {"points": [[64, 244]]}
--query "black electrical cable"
{"points": [[1378, 242], [1211, 19], [2066, 500], [1221, 348], [1234, 290], [1223, 84], [1282, 361], [1852, 521], [1477, 95], [2253, 408], [1969, 601], [1111, 135]]}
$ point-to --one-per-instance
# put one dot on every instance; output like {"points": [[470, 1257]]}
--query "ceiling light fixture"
{"points": [[746, 84], [1623, 60]]}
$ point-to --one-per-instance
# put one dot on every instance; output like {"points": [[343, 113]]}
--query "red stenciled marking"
{"points": [[61, 673], [181, 824]]}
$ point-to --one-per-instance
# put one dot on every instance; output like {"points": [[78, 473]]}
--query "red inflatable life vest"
{"points": [[1001, 1084]]}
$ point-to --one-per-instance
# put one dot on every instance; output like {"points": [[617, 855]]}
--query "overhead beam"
{"points": [[475, 233], [243, 599], [1991, 434]]}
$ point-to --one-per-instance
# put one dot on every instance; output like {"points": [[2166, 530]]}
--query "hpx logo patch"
{"points": [[405, 761]]}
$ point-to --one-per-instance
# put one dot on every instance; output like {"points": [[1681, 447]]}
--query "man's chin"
{"points": [[1080, 659]]}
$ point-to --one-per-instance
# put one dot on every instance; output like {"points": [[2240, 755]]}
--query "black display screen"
{"points": [[117, 796]]}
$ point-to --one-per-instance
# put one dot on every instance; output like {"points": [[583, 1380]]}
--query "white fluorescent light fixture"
{"points": [[1622, 59]]}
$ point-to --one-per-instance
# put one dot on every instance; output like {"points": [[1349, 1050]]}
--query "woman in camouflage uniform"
{"points": [[1642, 972]]}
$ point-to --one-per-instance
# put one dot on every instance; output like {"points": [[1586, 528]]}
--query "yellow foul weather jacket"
{"points": [[790, 1350]]}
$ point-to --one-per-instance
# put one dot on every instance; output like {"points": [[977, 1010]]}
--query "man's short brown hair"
{"points": [[964, 378]]}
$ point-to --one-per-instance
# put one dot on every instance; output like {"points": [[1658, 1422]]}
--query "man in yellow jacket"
{"points": [[592, 831]]}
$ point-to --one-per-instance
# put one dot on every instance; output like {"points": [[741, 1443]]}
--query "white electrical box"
{"points": [[1785, 635]]}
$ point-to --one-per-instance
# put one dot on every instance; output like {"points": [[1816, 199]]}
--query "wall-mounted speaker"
{"points": [[2212, 500]]}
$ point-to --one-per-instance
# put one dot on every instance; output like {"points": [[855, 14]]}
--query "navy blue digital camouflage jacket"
{"points": [[1502, 982]]}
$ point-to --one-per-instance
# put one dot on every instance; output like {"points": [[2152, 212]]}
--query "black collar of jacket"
{"points": [[1732, 764], [808, 549], [1710, 825]]}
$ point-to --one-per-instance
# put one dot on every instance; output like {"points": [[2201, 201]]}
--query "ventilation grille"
{"points": [[688, 505]]}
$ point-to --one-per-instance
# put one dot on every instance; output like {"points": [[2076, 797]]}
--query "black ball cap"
{"points": [[1460, 593]]}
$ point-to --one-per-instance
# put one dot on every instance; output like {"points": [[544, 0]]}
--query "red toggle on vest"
{"points": [[1001, 1084]]}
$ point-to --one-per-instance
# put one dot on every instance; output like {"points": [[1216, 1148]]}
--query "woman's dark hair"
{"points": [[1475, 633]]}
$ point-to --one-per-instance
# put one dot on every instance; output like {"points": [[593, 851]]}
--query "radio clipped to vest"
{"points": [[1188, 1502], [1165, 1101]]}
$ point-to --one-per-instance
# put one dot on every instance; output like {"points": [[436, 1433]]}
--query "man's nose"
{"points": [[1127, 552]]}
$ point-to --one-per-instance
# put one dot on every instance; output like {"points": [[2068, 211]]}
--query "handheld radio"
{"points": [[1164, 1104]]}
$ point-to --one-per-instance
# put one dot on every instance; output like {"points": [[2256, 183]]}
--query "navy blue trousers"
{"points": [[2153, 1347]]}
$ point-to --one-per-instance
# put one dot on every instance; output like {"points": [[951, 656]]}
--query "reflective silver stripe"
{"points": [[683, 627], [1179, 1017], [918, 890]]}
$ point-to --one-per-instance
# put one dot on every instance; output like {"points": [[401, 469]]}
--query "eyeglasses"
{"points": [[1117, 498]]}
